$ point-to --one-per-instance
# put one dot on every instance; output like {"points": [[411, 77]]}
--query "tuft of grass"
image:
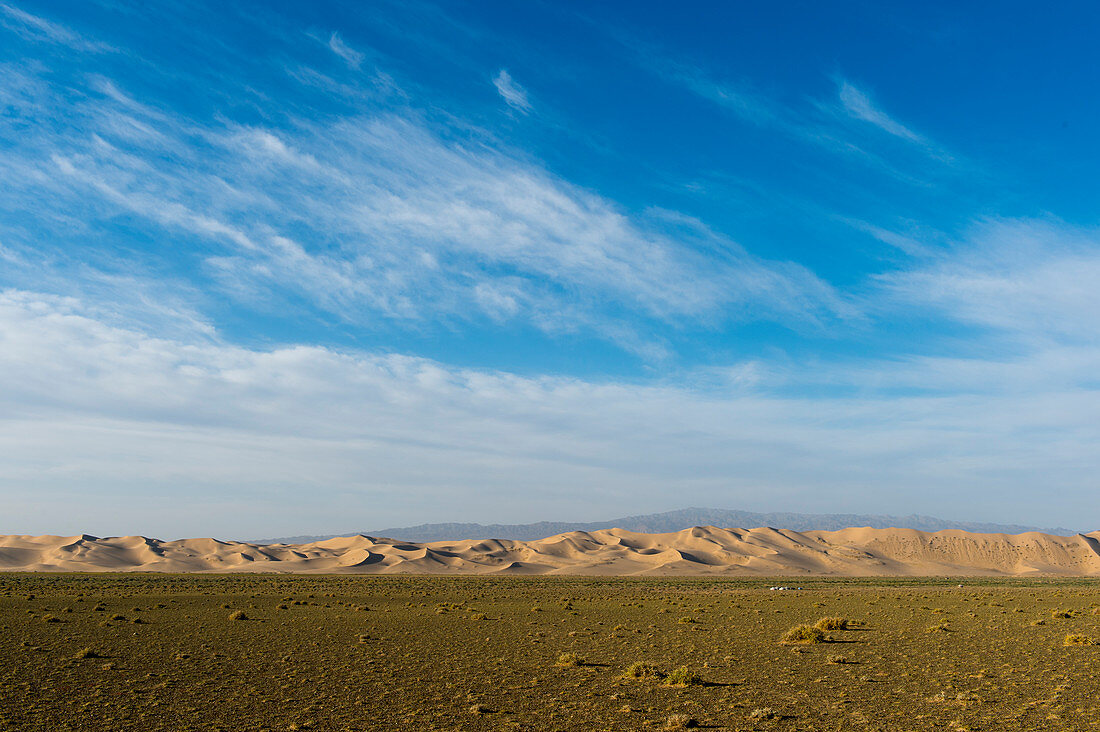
{"points": [[839, 660], [803, 635], [87, 653], [683, 676], [941, 628], [833, 623], [1063, 613], [1076, 639], [641, 670], [763, 713], [238, 615], [569, 660], [681, 721]]}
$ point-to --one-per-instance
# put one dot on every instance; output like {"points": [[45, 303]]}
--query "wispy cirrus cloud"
{"points": [[36, 28], [512, 93], [820, 123], [352, 57], [857, 104], [380, 213], [1031, 281]]}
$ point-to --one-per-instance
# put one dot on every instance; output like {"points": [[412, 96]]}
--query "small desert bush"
{"points": [[941, 628], [238, 615], [641, 670], [839, 659], [683, 676], [87, 653], [1076, 639], [803, 635], [681, 721], [687, 619], [763, 713], [570, 659], [833, 623], [1063, 613]]}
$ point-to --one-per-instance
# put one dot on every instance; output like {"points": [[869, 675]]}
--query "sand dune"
{"points": [[702, 550]]}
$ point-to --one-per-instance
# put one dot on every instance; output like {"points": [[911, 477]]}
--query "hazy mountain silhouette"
{"points": [[659, 523]]}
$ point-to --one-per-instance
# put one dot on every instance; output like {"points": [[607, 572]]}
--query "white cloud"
{"points": [[1032, 281], [352, 57], [37, 28], [860, 106], [380, 214], [513, 93], [128, 416], [818, 125]]}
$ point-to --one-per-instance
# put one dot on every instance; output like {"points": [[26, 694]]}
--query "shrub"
{"points": [[238, 615], [87, 653], [1076, 639], [839, 659], [683, 676], [641, 670], [763, 713], [570, 659], [833, 623], [681, 721], [803, 635], [1062, 613]]}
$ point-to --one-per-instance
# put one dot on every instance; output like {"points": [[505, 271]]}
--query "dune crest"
{"points": [[701, 550]]}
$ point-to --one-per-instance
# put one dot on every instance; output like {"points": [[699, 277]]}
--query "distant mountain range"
{"points": [[662, 523]]}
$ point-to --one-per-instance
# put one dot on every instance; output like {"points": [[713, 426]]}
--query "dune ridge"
{"points": [[701, 550]]}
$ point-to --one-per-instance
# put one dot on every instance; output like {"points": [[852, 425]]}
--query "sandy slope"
{"points": [[699, 550]]}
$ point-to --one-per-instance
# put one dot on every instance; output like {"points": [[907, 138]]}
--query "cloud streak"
{"points": [[381, 213], [352, 57], [35, 28], [857, 104], [512, 93]]}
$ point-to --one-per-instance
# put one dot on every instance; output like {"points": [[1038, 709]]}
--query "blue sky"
{"points": [[282, 268]]}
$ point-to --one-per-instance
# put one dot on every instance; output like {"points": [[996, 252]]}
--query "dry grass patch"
{"points": [[641, 670], [683, 676], [833, 623], [803, 635], [681, 721], [1077, 639]]}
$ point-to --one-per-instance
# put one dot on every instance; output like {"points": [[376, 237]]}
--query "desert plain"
{"points": [[349, 649]]}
